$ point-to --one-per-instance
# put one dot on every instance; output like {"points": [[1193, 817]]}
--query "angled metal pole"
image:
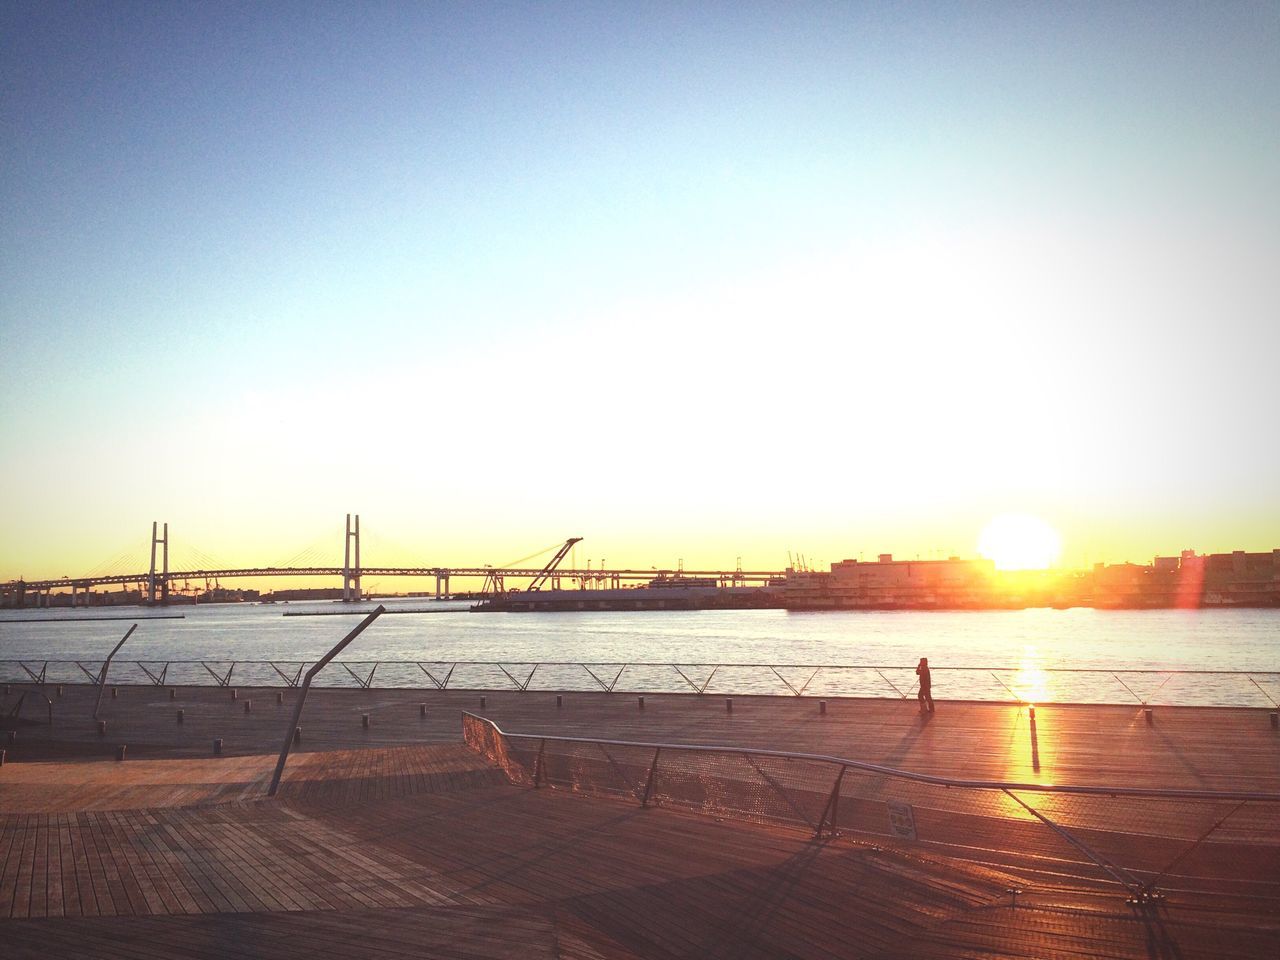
{"points": [[102, 677], [653, 775], [306, 685]]}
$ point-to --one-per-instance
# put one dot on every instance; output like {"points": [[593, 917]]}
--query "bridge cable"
{"points": [[515, 563]]}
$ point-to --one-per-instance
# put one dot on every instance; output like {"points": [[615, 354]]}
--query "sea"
{"points": [[1204, 657]]}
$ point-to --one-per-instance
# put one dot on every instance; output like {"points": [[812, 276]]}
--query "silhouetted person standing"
{"points": [[925, 696]]}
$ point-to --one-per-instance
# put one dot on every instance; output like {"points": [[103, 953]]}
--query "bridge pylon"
{"points": [[351, 575], [164, 574]]}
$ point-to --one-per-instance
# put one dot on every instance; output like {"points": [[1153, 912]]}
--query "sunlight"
{"points": [[1031, 686], [1031, 683], [1018, 541]]}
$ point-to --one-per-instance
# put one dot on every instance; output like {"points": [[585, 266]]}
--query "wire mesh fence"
{"points": [[1140, 839]]}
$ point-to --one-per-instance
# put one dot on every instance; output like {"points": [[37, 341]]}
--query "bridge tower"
{"points": [[351, 575], [164, 575]]}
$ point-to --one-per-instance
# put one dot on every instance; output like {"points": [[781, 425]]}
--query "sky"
{"points": [[702, 282]]}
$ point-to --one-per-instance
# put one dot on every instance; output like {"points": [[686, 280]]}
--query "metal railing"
{"points": [[1139, 838], [1021, 684]]}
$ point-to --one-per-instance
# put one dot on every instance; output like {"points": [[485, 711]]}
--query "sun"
{"points": [[1018, 541]]}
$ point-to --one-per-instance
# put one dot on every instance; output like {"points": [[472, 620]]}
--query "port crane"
{"points": [[493, 582], [554, 562]]}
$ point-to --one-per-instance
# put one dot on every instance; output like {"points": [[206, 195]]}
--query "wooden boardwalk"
{"points": [[395, 841], [1191, 747]]}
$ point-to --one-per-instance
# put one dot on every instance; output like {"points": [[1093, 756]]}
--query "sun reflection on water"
{"points": [[1031, 685], [1029, 757]]}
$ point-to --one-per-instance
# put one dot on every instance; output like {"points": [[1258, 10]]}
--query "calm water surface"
{"points": [[1026, 641]]}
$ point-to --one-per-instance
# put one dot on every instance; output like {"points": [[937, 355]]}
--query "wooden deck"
{"points": [[1190, 747], [396, 841]]}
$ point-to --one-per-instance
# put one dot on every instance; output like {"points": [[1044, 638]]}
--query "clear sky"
{"points": [[699, 281]]}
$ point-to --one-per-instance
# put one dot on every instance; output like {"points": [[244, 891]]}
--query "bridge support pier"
{"points": [[350, 575], [442, 578], [164, 576]]}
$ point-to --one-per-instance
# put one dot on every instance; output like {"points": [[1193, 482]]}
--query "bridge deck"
{"points": [[443, 573], [379, 847]]}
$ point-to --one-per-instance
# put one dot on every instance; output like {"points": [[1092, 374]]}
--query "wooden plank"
{"points": [[421, 838], [16, 889], [1184, 746]]}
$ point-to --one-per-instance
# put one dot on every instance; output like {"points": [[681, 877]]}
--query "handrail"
{"points": [[1095, 820], [1146, 792], [722, 664], [1024, 683]]}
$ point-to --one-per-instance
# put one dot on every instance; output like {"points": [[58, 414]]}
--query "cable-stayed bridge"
{"points": [[156, 581]]}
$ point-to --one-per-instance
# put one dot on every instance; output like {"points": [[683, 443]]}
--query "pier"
{"points": [[390, 837]]}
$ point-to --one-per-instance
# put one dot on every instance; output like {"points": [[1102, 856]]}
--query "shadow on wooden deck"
{"points": [[418, 851]]}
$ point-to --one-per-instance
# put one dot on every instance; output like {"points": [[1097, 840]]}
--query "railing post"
{"points": [[653, 775]]}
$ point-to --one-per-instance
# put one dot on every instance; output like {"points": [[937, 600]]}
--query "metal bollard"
{"points": [[297, 734], [120, 751], [1147, 714], [422, 709], [59, 689], [364, 720], [1275, 721], [102, 728], [641, 702], [235, 694], [1031, 712], [115, 693], [217, 747], [279, 697], [180, 716], [822, 708], [559, 701], [483, 701], [728, 705], [248, 706], [173, 694], [2, 753]]}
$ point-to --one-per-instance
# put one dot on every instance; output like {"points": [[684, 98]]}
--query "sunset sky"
{"points": [[690, 281]]}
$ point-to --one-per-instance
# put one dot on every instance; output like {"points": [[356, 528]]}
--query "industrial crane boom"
{"points": [[554, 562]]}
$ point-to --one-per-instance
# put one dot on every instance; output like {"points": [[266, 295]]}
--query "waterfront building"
{"points": [[1236, 579], [889, 583]]}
